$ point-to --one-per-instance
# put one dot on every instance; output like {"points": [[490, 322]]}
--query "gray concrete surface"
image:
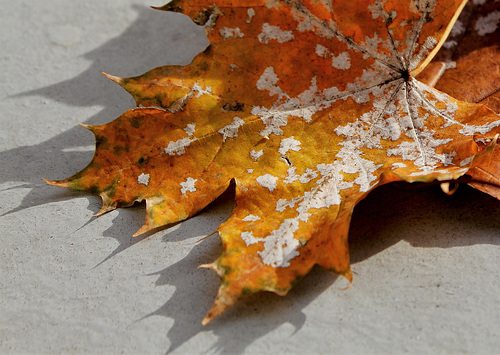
{"points": [[426, 265]]}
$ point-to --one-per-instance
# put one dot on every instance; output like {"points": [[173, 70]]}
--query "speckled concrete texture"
{"points": [[425, 264]]}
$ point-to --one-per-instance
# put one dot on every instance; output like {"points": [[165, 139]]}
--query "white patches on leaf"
{"points": [[178, 147], [308, 176], [305, 113], [425, 8], [273, 120], [249, 239], [326, 195], [425, 49], [377, 10], [251, 14], [251, 218], [231, 130], [277, 116], [270, 32], [268, 181], [342, 61], [256, 154], [143, 179], [469, 130], [389, 119], [400, 113], [322, 51], [267, 81], [282, 204], [483, 140], [384, 121], [309, 95], [425, 96], [190, 129], [280, 246], [487, 24], [332, 173], [375, 46], [306, 22], [227, 32], [370, 78], [188, 185], [353, 163], [333, 93], [289, 144], [200, 91], [423, 152], [398, 166], [292, 175]]}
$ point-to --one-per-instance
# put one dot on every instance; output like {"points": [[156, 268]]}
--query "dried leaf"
{"points": [[467, 67], [307, 106]]}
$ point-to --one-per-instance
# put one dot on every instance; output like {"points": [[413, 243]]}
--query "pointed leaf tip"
{"points": [[225, 299], [91, 128], [144, 229], [59, 183], [104, 209], [170, 6], [210, 266], [116, 79], [348, 276]]}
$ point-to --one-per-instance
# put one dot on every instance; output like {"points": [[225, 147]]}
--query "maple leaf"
{"points": [[306, 106]]}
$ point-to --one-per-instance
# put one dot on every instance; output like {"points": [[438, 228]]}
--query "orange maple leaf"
{"points": [[307, 106]]}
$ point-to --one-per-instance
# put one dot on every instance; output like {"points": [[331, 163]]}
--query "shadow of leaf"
{"points": [[155, 38], [423, 216]]}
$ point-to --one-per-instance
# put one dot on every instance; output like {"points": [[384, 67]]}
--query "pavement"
{"points": [[425, 264]]}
